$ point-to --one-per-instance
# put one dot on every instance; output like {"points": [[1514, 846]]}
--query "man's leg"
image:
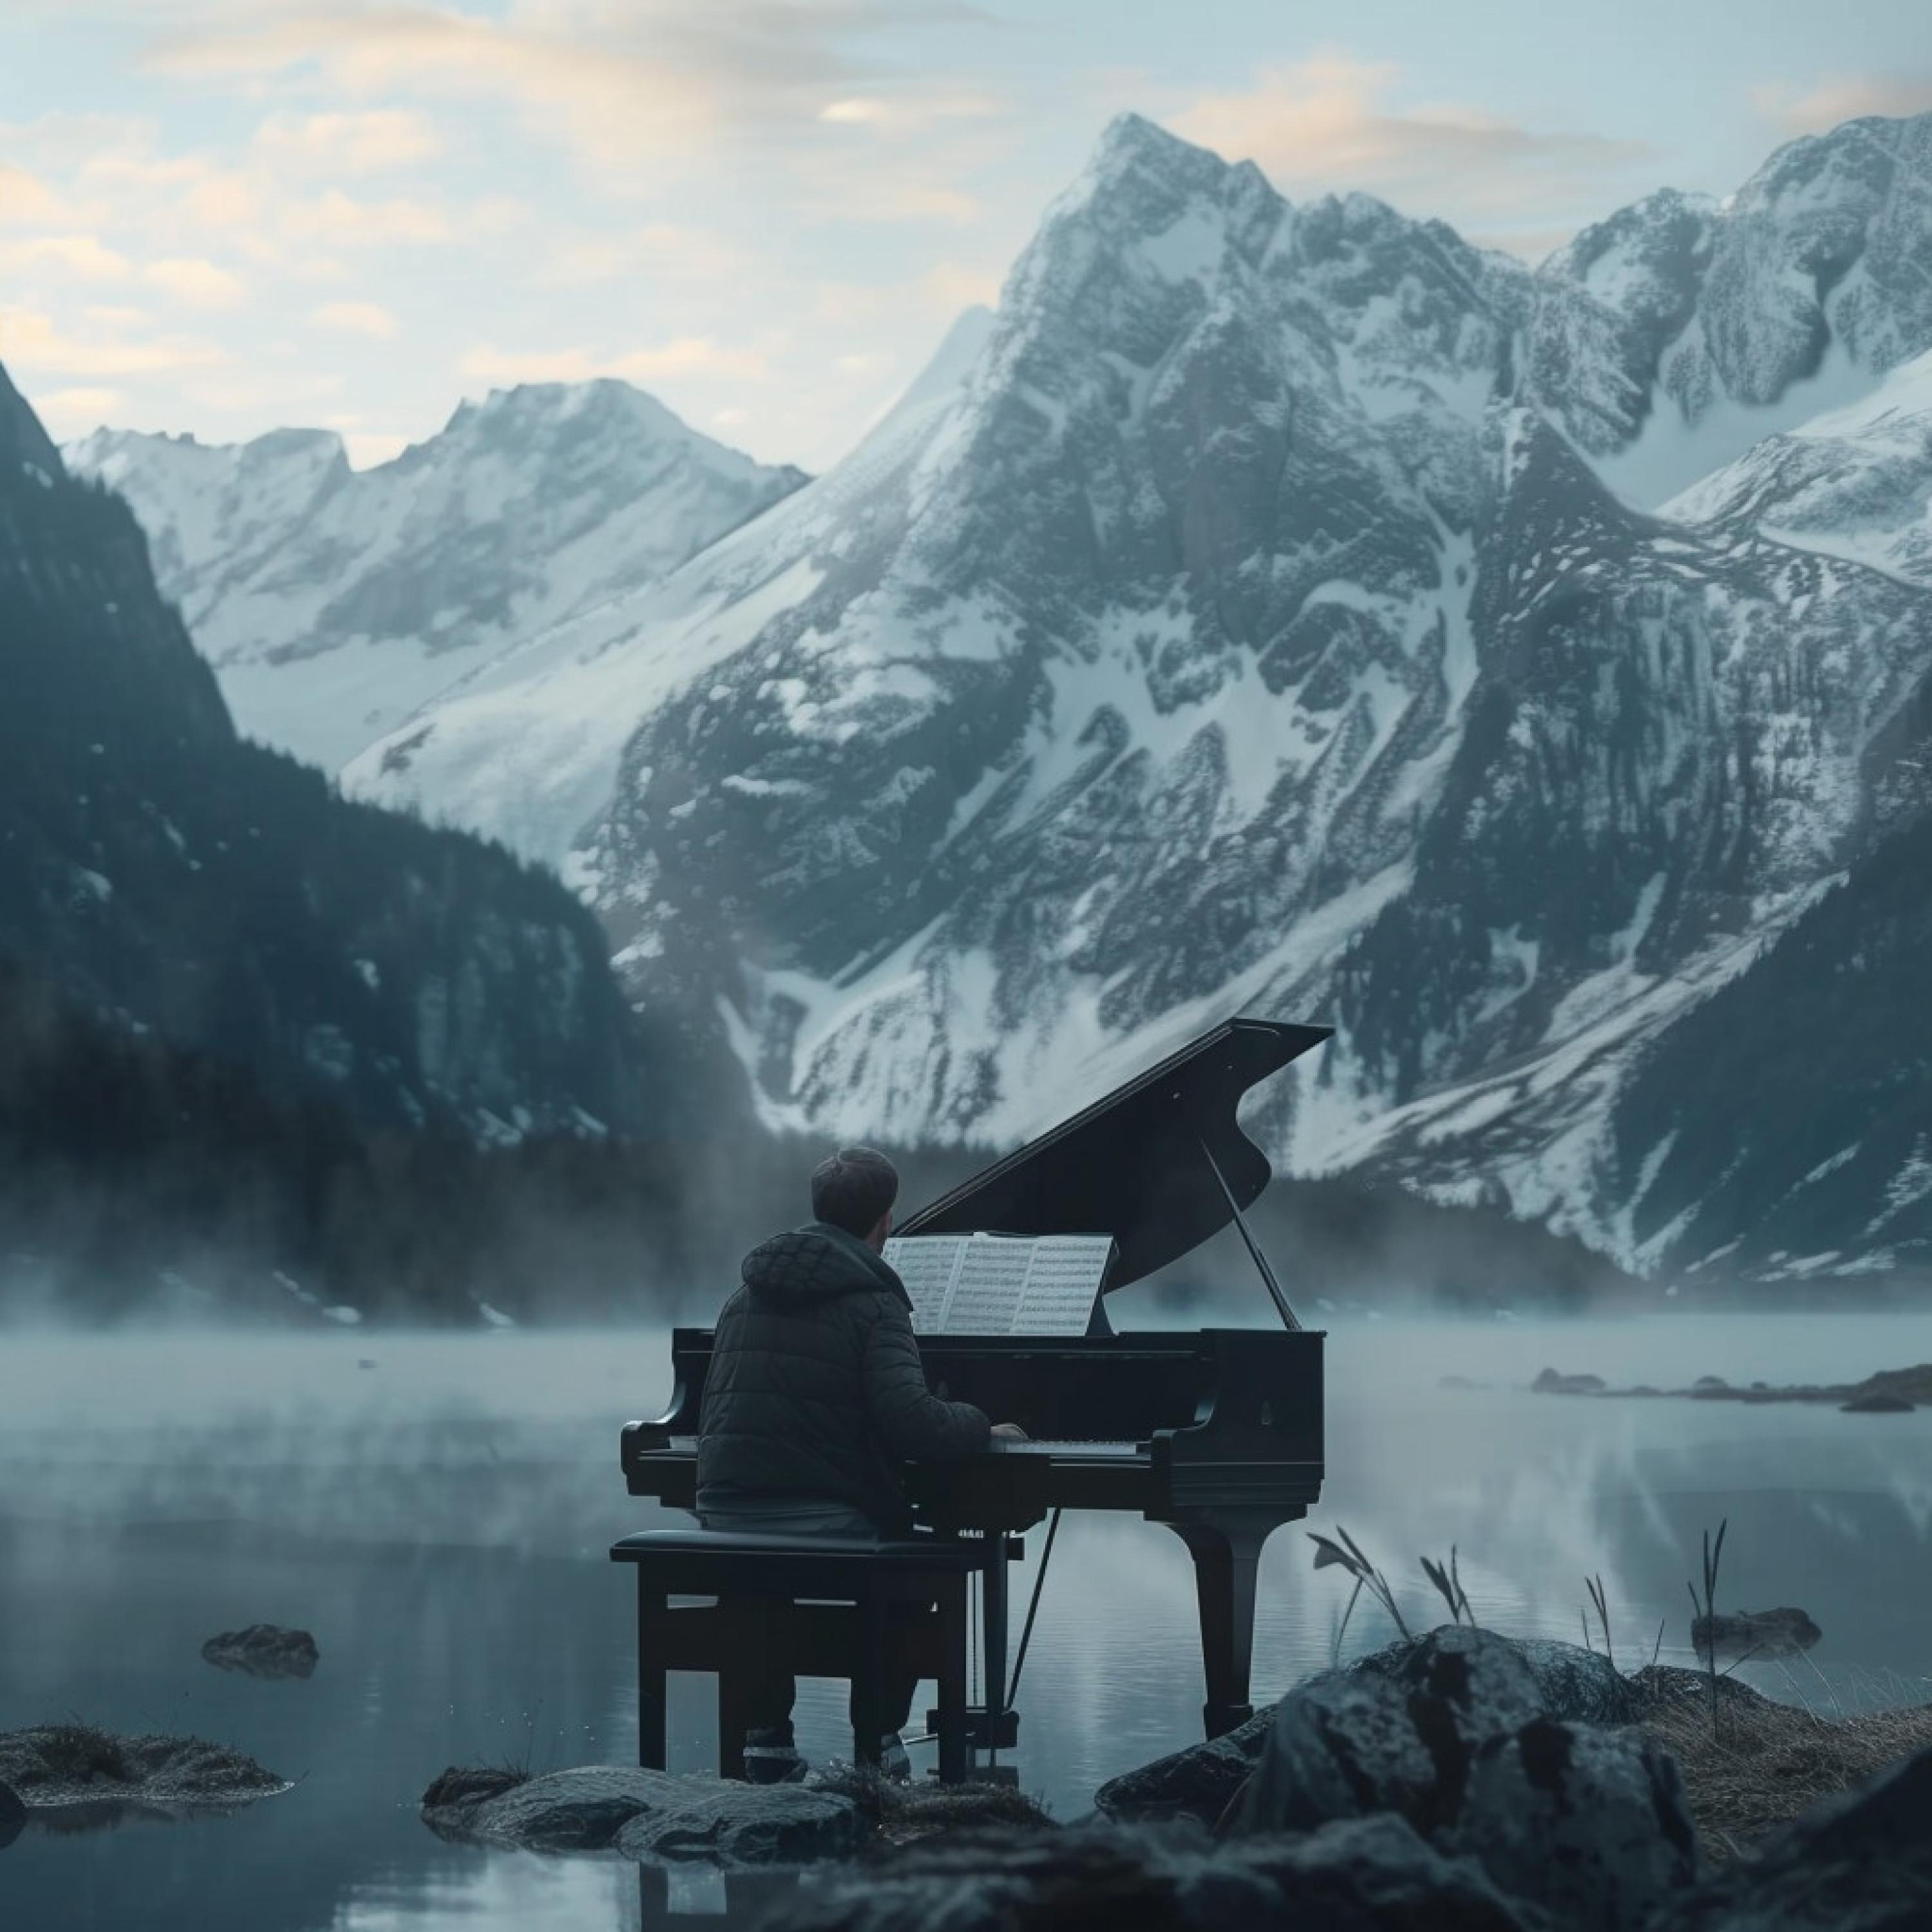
{"points": [[901, 1680], [771, 1756]]}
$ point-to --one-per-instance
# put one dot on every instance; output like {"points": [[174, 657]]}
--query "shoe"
{"points": [[774, 1764], [771, 1757], [893, 1762]]}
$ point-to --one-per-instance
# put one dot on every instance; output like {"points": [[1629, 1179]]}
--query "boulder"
{"points": [[12, 1810], [1198, 1782], [1784, 1632], [264, 1650], [1571, 1682], [650, 1816], [1459, 1734], [1861, 1863], [1397, 1732], [1360, 1875], [1590, 1824], [1580, 1686], [735, 1824]]}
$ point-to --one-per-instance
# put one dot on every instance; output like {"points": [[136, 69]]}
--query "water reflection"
{"points": [[441, 1525]]}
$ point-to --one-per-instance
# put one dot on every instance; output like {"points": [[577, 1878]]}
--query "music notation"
{"points": [[1001, 1284]]}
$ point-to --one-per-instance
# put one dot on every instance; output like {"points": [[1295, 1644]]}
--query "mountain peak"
{"points": [[23, 440], [1133, 150]]}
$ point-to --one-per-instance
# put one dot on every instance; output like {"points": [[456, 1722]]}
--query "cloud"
{"points": [[30, 339], [1815, 110], [356, 318], [622, 84], [71, 412], [366, 449], [663, 251], [347, 143], [341, 219], [197, 283], [25, 199], [910, 112], [84, 257], [1325, 125], [688, 356]]}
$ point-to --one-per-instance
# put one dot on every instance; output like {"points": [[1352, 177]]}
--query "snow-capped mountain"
{"points": [[169, 877], [1271, 616], [1855, 483], [333, 602]]}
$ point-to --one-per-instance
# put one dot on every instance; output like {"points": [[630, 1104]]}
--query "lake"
{"points": [[440, 1520]]}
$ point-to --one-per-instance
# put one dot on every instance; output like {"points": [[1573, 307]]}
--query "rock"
{"points": [[1877, 1402], [1590, 1824], [264, 1650], [647, 1815], [1577, 1685], [1785, 1632], [1198, 1782], [70, 1764], [1493, 1750], [1397, 1733], [730, 1823], [1658, 1686], [1710, 1385], [1572, 1683], [1360, 1875], [12, 1810], [1551, 1382], [1861, 1863]]}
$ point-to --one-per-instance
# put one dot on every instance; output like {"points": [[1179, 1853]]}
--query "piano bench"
{"points": [[839, 1594]]}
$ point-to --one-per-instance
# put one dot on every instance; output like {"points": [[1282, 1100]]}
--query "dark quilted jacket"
{"points": [[815, 1388]]}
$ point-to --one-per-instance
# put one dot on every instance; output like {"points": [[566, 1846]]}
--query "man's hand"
{"points": [[1009, 1432]]}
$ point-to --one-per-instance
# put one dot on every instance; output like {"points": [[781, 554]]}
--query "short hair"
{"points": [[853, 1188]]}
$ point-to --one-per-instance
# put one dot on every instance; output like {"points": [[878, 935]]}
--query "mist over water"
{"points": [[440, 1522]]}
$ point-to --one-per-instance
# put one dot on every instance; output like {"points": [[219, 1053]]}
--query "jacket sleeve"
{"points": [[909, 1419]]}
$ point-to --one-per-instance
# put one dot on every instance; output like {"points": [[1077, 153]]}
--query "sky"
{"points": [[230, 216]]}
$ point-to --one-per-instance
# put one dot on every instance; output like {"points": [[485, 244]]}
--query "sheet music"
{"points": [[1001, 1285], [927, 1268], [1062, 1281]]}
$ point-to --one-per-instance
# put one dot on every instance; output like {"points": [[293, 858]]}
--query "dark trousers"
{"points": [[771, 1690]]}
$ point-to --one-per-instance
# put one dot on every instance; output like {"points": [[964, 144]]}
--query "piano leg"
{"points": [[993, 1637], [1225, 1558]]}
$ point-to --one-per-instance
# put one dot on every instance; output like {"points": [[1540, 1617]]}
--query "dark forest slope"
{"points": [[171, 877]]}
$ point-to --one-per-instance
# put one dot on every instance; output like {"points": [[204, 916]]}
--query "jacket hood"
{"points": [[818, 1263]]}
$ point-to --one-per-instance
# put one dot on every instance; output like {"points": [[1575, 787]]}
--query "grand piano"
{"points": [[1215, 1433]]}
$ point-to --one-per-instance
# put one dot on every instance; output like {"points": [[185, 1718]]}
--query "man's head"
{"points": [[854, 1190]]}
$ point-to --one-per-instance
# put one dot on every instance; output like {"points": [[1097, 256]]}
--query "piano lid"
{"points": [[1131, 1165]]}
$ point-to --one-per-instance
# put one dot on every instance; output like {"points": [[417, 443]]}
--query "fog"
{"points": [[437, 1508]]}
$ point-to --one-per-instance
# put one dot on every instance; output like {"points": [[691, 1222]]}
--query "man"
{"points": [[815, 1396]]}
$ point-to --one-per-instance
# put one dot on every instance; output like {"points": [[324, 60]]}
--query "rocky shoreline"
{"points": [[1889, 1392], [1462, 1781]]}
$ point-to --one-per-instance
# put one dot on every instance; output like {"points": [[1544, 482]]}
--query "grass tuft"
{"points": [[1771, 1761]]}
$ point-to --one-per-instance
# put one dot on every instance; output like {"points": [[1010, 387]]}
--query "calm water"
{"points": [[440, 1522]]}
